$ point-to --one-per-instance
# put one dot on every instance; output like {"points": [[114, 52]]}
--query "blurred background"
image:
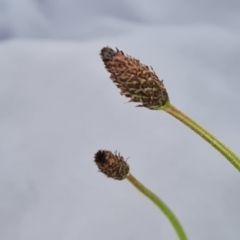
{"points": [[93, 19], [58, 107]]}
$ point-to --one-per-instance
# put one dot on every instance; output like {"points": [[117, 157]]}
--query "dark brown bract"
{"points": [[112, 165], [135, 80]]}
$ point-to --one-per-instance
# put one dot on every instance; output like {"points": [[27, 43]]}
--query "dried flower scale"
{"points": [[135, 80]]}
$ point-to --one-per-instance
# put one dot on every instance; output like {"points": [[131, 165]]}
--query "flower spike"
{"points": [[135, 80]]}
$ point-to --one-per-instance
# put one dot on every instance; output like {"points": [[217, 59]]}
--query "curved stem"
{"points": [[223, 149], [160, 204]]}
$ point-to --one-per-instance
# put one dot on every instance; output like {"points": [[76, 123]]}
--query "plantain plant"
{"points": [[141, 84]]}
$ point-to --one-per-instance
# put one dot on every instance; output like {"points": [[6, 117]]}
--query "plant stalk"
{"points": [[161, 205], [218, 145]]}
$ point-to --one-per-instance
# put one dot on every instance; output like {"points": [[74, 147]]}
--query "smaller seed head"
{"points": [[111, 164]]}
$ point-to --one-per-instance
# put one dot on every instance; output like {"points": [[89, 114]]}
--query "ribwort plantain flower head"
{"points": [[134, 79], [111, 164]]}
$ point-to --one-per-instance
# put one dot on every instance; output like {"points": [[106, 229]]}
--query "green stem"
{"points": [[160, 204], [223, 149]]}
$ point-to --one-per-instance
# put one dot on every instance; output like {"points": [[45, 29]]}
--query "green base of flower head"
{"points": [[165, 106]]}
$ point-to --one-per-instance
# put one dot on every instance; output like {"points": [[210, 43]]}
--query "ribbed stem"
{"points": [[223, 149], [160, 204]]}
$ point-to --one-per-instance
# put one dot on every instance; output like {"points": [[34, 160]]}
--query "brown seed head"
{"points": [[112, 165], [135, 80]]}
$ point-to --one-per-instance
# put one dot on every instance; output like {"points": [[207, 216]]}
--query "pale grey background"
{"points": [[58, 107]]}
